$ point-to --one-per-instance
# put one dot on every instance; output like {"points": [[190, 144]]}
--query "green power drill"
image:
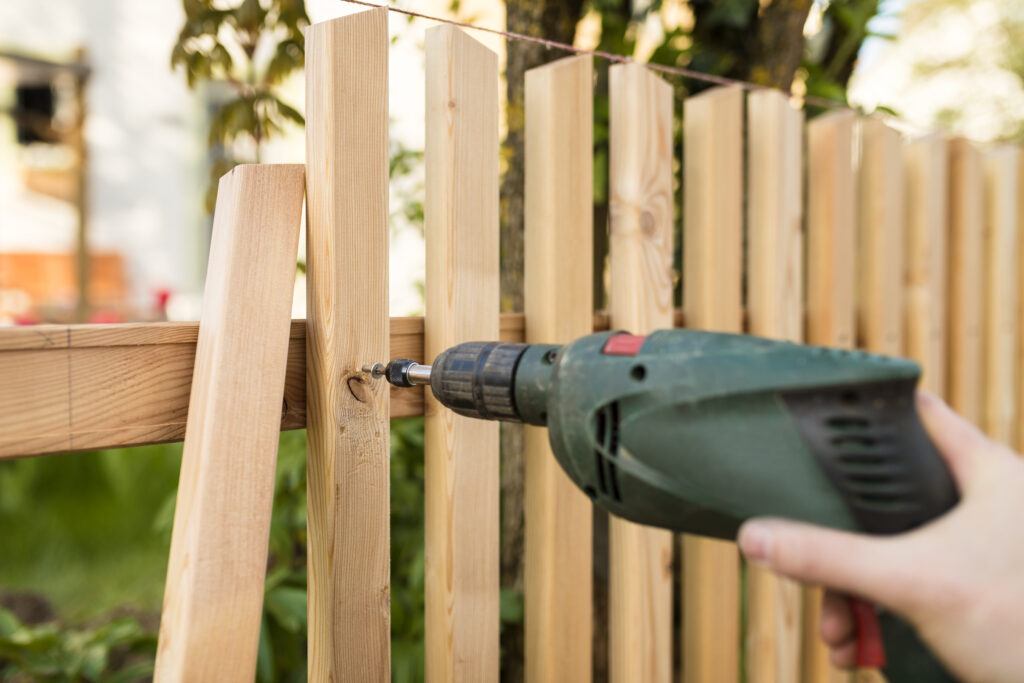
{"points": [[698, 431]]}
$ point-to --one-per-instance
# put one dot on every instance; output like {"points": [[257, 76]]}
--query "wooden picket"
{"points": [[640, 300], [775, 300], [558, 303], [905, 247], [461, 454], [712, 300]]}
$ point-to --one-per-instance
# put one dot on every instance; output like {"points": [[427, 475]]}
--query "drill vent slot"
{"points": [[607, 439]]}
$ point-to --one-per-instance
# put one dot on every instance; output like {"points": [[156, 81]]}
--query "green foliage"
{"points": [[119, 651], [249, 49]]}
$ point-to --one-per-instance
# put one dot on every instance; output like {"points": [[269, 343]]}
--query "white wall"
{"points": [[144, 135]]}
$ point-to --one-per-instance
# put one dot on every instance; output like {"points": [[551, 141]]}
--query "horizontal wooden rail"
{"points": [[67, 388]]}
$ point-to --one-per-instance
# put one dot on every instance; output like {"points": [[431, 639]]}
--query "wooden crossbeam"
{"points": [[71, 388]]}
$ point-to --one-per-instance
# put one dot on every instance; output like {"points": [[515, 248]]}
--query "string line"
{"points": [[610, 56]]}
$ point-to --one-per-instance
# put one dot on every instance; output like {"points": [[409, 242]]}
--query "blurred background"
{"points": [[116, 118]]}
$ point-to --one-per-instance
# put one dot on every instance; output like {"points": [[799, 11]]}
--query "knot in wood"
{"points": [[358, 388], [647, 223]]}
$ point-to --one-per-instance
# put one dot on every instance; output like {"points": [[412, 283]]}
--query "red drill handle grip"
{"points": [[870, 650]]}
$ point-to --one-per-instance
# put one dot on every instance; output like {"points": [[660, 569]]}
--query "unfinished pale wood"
{"points": [[213, 597], [999, 345], [712, 281], [558, 300], [831, 248], [880, 254], [347, 326], [775, 263], [461, 204], [1020, 301], [965, 284], [926, 177], [112, 386], [640, 294]]}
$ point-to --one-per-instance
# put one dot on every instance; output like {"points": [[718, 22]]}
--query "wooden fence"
{"points": [[835, 231]]}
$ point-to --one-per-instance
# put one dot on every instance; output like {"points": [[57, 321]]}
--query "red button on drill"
{"points": [[623, 345]]}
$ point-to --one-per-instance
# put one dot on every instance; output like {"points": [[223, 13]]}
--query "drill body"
{"points": [[697, 432]]}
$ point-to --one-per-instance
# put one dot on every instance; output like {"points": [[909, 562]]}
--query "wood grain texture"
{"points": [[640, 296], [880, 253], [213, 598], [558, 300], [925, 164], [112, 386], [775, 264], [461, 204], [831, 314], [965, 284], [1000, 266], [712, 281], [347, 326]]}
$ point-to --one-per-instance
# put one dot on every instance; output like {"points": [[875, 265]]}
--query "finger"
{"points": [[959, 442], [873, 568], [837, 625], [845, 656]]}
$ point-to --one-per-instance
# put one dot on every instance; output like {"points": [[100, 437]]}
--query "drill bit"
{"points": [[400, 372]]}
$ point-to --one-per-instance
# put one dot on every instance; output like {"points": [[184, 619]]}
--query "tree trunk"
{"points": [[780, 43]]}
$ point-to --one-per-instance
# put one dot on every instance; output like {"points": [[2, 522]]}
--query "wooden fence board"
{"points": [[347, 326], [775, 263], [831, 296], [999, 346], [926, 176], [558, 300], [1020, 300], [965, 309], [216, 570], [712, 298], [87, 387], [641, 287], [880, 250], [461, 305]]}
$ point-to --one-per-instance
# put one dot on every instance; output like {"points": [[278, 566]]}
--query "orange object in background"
{"points": [[50, 281]]}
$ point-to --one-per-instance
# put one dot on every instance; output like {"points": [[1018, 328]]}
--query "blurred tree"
{"points": [[246, 49]]}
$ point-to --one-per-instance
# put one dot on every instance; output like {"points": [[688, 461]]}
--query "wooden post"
{"points": [[775, 302], [831, 297], [965, 284], [999, 352], [712, 281], [462, 305], [925, 168], [559, 301], [210, 626], [640, 256], [347, 327], [880, 251]]}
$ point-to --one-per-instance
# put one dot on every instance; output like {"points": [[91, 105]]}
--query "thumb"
{"points": [[873, 568]]}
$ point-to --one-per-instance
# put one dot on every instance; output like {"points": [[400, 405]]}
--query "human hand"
{"points": [[958, 580]]}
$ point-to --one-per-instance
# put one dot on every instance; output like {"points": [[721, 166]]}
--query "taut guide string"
{"points": [[610, 56]]}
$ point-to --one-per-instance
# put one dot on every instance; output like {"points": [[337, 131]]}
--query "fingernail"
{"points": [[756, 542]]}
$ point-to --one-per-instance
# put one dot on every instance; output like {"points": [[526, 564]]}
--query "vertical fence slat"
{"points": [[712, 281], [346, 327], [1001, 281], [925, 168], [831, 296], [880, 253], [775, 304], [640, 256], [965, 282], [218, 558], [558, 303], [1019, 206], [461, 205], [880, 249]]}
